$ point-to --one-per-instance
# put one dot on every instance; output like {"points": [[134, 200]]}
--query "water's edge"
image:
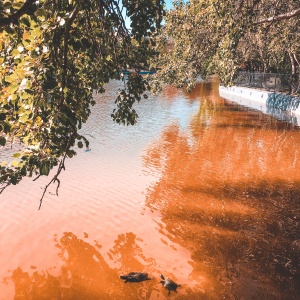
{"points": [[281, 106]]}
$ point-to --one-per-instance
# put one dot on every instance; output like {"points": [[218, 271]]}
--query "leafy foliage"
{"points": [[203, 37], [53, 56]]}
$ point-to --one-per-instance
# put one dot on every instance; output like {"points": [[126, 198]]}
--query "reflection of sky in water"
{"points": [[154, 113], [182, 112]]}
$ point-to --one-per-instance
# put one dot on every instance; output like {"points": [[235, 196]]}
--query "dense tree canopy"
{"points": [[218, 37], [53, 56]]}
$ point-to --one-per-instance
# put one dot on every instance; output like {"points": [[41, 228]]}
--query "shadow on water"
{"points": [[232, 197]]}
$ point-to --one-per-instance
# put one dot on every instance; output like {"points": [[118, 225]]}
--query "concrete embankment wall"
{"points": [[281, 106]]}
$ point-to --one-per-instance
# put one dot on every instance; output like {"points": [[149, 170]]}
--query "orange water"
{"points": [[201, 190]]}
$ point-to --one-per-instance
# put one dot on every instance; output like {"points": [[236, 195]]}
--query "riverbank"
{"points": [[281, 106]]}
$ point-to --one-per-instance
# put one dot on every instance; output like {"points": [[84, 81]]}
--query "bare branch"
{"points": [[285, 16], [53, 180], [121, 18], [55, 177], [37, 177], [58, 185], [4, 187], [296, 59]]}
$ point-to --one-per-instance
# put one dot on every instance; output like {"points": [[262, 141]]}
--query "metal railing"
{"points": [[274, 82]]}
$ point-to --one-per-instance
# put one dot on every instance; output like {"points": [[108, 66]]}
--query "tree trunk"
{"points": [[297, 73], [293, 72]]}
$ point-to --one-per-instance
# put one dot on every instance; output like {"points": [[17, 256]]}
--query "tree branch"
{"points": [[68, 24], [296, 58], [54, 179], [4, 187], [18, 14], [285, 16]]}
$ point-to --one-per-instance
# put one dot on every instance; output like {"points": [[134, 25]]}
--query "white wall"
{"points": [[281, 106]]}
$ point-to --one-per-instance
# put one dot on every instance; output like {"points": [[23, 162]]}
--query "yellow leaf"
{"points": [[15, 52], [38, 121], [12, 88], [10, 78], [14, 163], [21, 164], [25, 35]]}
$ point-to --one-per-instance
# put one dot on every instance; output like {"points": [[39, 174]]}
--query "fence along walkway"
{"points": [[285, 83]]}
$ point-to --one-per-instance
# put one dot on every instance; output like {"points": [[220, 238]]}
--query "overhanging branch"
{"points": [[285, 16], [28, 5]]}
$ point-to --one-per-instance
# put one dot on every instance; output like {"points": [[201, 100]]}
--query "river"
{"points": [[201, 190]]}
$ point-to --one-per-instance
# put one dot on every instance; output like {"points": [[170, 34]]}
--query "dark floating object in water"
{"points": [[169, 284], [135, 277]]}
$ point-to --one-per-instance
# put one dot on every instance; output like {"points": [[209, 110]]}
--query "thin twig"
{"points": [[37, 177], [4, 187], [60, 168]]}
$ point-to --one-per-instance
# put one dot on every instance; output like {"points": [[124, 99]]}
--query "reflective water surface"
{"points": [[201, 190]]}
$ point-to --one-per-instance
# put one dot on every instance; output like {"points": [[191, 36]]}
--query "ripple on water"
{"points": [[169, 195]]}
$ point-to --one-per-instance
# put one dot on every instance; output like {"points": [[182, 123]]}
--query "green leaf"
{"points": [[45, 170], [9, 30], [25, 21], [7, 5], [80, 144], [2, 117], [41, 12], [14, 180], [2, 141]]}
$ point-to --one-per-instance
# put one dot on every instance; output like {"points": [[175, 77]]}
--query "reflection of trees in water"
{"points": [[84, 273], [170, 92], [233, 200], [129, 254], [37, 286]]}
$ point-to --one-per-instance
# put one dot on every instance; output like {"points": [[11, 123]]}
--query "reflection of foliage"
{"points": [[233, 200], [52, 56], [208, 106], [82, 276], [86, 265], [84, 273], [127, 252], [39, 286]]}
